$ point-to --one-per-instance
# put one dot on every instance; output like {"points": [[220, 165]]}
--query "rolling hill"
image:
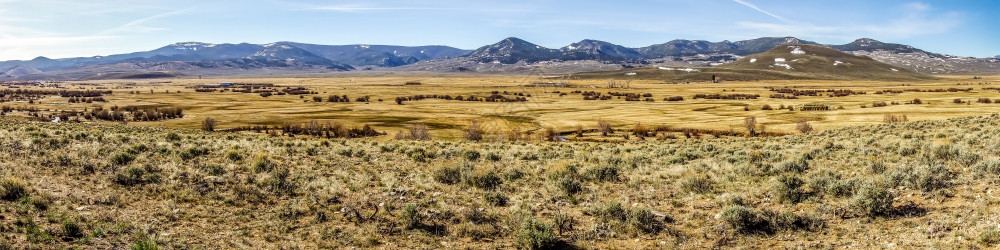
{"points": [[790, 61]]}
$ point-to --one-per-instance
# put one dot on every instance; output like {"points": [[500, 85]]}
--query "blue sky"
{"points": [[70, 28]]}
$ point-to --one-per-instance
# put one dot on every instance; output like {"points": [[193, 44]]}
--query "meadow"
{"points": [[551, 105], [859, 180]]}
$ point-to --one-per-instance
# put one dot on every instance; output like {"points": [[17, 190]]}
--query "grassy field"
{"points": [[544, 109], [856, 182], [923, 184]]}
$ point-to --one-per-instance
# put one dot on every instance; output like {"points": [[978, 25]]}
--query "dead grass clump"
{"points": [[699, 184], [890, 118]]}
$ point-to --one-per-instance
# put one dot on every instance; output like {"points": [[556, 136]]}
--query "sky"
{"points": [[73, 28]]}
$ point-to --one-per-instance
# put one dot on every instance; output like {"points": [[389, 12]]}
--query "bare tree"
{"points": [[208, 124], [751, 125], [804, 126], [474, 132], [604, 127], [417, 132]]}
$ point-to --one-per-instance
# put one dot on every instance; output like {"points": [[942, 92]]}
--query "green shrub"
{"points": [[411, 217], [495, 199], [71, 229], [787, 189], [132, 176], [146, 244], [842, 187], [262, 164], [744, 219], [642, 220], [193, 152], [471, 155], [488, 180], [989, 237], [570, 185], [872, 199], [612, 211], [907, 150], [988, 167], [234, 155], [699, 184], [535, 235], [797, 165], [448, 175], [492, 156], [122, 158], [932, 178], [603, 173], [173, 137], [12, 189]]}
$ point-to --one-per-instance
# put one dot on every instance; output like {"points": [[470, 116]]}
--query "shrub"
{"points": [[173, 137], [495, 199], [132, 176], [787, 189], [988, 167], [13, 189], [604, 127], [411, 217], [474, 132], [534, 234], [262, 164], [750, 123], [570, 185], [146, 244], [643, 221], [989, 237], [471, 155], [234, 155], [699, 184], [122, 158], [932, 178], [208, 124], [193, 152], [71, 229], [603, 173], [448, 175], [488, 180], [744, 219], [803, 126], [872, 199]]}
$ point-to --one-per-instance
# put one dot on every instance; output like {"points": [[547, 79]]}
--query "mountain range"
{"points": [[206, 58]]}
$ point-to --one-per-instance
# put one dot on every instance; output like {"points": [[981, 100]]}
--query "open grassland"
{"points": [[922, 184], [562, 111]]}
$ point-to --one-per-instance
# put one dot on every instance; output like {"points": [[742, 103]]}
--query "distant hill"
{"points": [[512, 50], [508, 55], [599, 51], [783, 62]]}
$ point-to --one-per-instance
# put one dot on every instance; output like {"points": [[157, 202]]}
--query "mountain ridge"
{"points": [[509, 51]]}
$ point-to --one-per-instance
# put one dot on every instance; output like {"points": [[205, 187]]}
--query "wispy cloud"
{"points": [[370, 8], [752, 6], [137, 26], [918, 20]]}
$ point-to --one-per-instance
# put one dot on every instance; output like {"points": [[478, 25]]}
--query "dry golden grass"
{"points": [[545, 109]]}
